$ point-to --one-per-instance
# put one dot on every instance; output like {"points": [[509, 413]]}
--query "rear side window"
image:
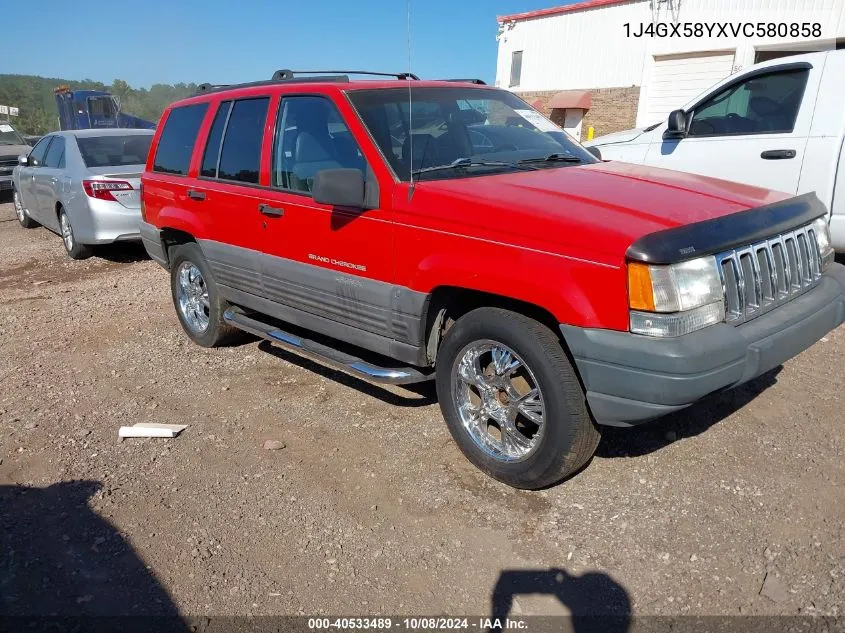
{"points": [[176, 144], [36, 156], [108, 151], [215, 137], [240, 157], [55, 157]]}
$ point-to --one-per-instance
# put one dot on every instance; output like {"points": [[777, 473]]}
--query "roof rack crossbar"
{"points": [[288, 75], [206, 87], [479, 82]]}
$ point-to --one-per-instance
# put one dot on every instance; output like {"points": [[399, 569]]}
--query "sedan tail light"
{"points": [[102, 189]]}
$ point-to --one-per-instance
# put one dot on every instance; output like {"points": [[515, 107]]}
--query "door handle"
{"points": [[266, 209], [196, 195], [779, 154]]}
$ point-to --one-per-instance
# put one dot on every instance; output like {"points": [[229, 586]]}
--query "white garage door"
{"points": [[677, 79]]}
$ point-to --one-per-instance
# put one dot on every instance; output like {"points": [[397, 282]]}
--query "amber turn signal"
{"points": [[640, 292]]}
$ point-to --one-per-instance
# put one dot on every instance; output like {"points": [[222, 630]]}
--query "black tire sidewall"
{"points": [[27, 222], [191, 253], [79, 251], [540, 468]]}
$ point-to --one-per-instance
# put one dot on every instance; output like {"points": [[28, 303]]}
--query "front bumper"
{"points": [[631, 378]]}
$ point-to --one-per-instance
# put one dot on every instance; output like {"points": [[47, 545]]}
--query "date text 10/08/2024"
{"points": [[418, 623]]}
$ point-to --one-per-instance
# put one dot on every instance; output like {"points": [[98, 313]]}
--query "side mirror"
{"points": [[595, 151], [23, 160], [339, 188], [677, 126]]}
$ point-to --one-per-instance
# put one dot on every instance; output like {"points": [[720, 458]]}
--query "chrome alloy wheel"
{"points": [[193, 297], [498, 400], [67, 232], [19, 207]]}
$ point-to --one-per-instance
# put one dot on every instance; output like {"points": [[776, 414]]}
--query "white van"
{"points": [[779, 124]]}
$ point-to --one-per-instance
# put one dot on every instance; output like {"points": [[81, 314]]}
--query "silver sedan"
{"points": [[83, 185]]}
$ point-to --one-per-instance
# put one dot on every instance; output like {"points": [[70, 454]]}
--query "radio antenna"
{"points": [[410, 106]]}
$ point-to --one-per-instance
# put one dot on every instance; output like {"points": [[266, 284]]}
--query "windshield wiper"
{"points": [[557, 156], [463, 163]]}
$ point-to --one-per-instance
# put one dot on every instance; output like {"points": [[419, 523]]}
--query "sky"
{"points": [[216, 41]]}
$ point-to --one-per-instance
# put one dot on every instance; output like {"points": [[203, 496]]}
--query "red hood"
{"points": [[597, 210]]}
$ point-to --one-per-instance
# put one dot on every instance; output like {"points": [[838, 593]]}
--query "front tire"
{"points": [[512, 400], [21, 212], [196, 298]]}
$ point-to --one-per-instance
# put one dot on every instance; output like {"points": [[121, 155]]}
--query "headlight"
{"points": [[822, 233], [675, 300]]}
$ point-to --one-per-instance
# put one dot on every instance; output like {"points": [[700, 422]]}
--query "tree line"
{"points": [[33, 95]]}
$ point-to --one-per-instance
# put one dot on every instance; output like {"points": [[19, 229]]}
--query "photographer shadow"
{"points": [[64, 566], [596, 602]]}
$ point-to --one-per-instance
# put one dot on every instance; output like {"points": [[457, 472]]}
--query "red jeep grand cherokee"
{"points": [[445, 230]]}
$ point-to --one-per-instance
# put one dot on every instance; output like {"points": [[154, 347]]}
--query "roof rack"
{"points": [[310, 76], [207, 87], [291, 75], [479, 82]]}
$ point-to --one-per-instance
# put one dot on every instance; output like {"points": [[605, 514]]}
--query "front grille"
{"points": [[8, 163], [764, 275]]}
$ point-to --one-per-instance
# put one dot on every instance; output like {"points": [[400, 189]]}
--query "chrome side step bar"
{"points": [[345, 362]]}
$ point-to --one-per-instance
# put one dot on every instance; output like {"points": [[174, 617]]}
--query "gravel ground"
{"points": [[733, 507]]}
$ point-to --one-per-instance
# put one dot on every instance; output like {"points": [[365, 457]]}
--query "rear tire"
{"points": [[512, 400], [74, 249], [196, 298], [21, 212]]}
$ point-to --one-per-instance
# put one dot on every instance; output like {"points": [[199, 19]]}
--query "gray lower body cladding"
{"points": [[631, 378], [151, 239], [375, 315]]}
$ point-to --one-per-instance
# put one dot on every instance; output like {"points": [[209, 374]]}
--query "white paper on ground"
{"points": [[151, 429], [538, 120]]}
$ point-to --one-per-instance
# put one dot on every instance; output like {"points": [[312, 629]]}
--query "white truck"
{"points": [[779, 124]]}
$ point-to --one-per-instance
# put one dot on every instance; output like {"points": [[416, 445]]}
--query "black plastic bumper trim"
{"points": [[630, 378], [708, 237]]}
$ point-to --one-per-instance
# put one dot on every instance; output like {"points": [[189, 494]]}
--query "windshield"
{"points": [[459, 132], [108, 151], [8, 135], [102, 106]]}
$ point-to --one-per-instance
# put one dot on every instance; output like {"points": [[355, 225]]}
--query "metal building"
{"points": [[617, 64]]}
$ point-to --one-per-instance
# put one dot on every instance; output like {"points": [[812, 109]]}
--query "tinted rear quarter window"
{"points": [[55, 157], [215, 136], [241, 155], [107, 151], [40, 150], [176, 144]]}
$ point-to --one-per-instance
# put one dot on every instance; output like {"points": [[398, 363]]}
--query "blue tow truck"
{"points": [[93, 109]]}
